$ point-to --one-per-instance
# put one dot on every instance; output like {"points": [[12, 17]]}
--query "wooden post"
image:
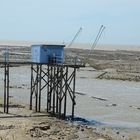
{"points": [[7, 88], [36, 90], [60, 93], [48, 88], [73, 101], [31, 90], [57, 89], [54, 91], [40, 76], [65, 96], [5, 80]]}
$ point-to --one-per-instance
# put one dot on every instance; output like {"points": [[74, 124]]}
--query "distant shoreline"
{"points": [[75, 45]]}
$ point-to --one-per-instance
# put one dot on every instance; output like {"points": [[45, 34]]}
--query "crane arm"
{"points": [[74, 38], [102, 28]]}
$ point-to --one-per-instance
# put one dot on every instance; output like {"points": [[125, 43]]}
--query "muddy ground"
{"points": [[24, 124], [118, 65]]}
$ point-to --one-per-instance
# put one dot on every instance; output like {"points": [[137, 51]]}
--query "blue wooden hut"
{"points": [[47, 53]]}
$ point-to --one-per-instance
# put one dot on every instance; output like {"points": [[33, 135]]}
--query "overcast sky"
{"points": [[59, 20]]}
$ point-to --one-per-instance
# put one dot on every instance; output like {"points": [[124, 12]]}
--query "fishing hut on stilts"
{"points": [[49, 76]]}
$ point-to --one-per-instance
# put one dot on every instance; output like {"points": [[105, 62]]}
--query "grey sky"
{"points": [[51, 20]]}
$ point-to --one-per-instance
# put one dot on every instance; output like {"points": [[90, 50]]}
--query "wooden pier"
{"points": [[56, 81]]}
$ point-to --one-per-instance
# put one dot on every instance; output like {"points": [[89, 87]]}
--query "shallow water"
{"points": [[122, 100]]}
